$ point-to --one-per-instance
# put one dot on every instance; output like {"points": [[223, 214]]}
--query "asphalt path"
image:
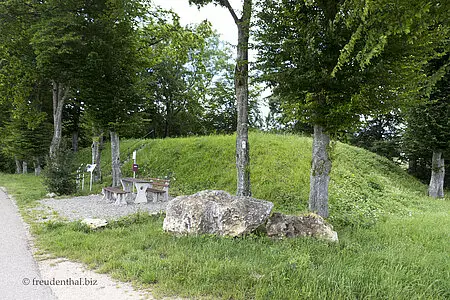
{"points": [[19, 272]]}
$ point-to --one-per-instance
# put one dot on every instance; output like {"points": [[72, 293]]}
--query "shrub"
{"points": [[59, 177]]}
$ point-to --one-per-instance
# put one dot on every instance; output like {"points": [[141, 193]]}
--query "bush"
{"points": [[59, 177]]}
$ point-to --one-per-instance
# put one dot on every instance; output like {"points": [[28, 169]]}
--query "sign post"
{"points": [[135, 166]]}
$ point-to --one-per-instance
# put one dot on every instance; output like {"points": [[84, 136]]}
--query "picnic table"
{"points": [[141, 188]]}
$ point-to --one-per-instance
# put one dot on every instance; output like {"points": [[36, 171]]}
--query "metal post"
{"points": [[82, 183], [134, 162], [90, 183], [134, 172]]}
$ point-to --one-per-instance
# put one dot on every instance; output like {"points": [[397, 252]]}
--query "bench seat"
{"points": [[115, 194], [159, 188]]}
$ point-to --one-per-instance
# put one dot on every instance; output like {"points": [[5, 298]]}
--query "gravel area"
{"points": [[93, 206]]}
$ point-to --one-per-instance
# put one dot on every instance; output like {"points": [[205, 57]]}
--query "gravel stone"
{"points": [[93, 206]]}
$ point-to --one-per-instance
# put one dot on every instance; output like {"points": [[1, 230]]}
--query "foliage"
{"points": [[57, 39], [429, 122], [58, 176], [188, 81], [6, 164], [330, 62], [128, 66], [110, 62], [381, 134], [428, 127], [25, 113], [176, 78]]}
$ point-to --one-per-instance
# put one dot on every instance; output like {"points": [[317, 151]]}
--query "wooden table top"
{"points": [[129, 179]]}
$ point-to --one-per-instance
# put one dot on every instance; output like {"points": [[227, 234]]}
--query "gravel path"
{"points": [[93, 206]]}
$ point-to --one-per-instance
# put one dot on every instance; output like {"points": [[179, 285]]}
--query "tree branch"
{"points": [[227, 4]]}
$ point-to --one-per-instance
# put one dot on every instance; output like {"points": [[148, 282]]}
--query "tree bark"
{"points": [[24, 167], [97, 143], [37, 166], [320, 173], [241, 88], [75, 141], [412, 165], [115, 158], [60, 93], [18, 166], [436, 188]]}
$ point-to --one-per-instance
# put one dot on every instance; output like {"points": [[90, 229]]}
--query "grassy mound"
{"points": [[363, 187]]}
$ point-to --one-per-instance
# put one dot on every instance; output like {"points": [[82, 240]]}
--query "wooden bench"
{"points": [[159, 188], [115, 194]]}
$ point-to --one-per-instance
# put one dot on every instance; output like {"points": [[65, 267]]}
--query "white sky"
{"points": [[219, 17]]}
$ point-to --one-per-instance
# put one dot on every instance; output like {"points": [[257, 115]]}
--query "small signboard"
{"points": [[135, 167], [90, 168]]}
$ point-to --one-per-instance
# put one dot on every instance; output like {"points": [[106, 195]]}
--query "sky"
{"points": [[219, 17]]}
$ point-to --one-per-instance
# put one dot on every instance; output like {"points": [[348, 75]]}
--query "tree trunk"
{"points": [[18, 166], [75, 141], [241, 88], [37, 166], [412, 165], [436, 188], [60, 93], [97, 143], [115, 158], [320, 173], [24, 167]]}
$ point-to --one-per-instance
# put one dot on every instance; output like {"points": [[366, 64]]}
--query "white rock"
{"points": [[95, 223]]}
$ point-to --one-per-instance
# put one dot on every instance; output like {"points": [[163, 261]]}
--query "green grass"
{"points": [[394, 241], [402, 258], [25, 188]]}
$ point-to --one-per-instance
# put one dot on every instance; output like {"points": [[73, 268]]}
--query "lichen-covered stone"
{"points": [[280, 226], [215, 212]]}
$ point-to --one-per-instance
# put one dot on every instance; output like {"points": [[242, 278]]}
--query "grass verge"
{"points": [[402, 258]]}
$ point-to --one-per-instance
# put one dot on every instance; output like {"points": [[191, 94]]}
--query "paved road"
{"points": [[17, 265]]}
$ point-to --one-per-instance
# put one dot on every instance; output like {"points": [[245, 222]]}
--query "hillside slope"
{"points": [[363, 187]]}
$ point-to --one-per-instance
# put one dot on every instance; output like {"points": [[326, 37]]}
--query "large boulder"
{"points": [[215, 212], [280, 226]]}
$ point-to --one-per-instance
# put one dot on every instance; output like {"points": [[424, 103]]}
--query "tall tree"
{"points": [[427, 133], [241, 88], [176, 76], [110, 68], [57, 42], [331, 61], [23, 92]]}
